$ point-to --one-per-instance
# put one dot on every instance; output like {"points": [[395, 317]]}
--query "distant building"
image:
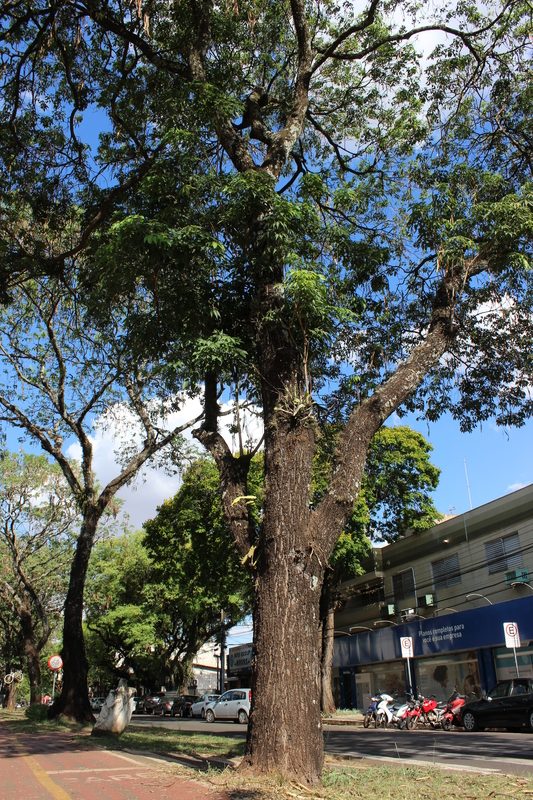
{"points": [[449, 590]]}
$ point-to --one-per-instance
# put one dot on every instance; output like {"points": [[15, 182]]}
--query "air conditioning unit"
{"points": [[426, 601], [406, 614], [387, 610], [516, 576]]}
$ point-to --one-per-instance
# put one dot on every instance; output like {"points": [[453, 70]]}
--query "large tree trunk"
{"points": [[327, 701], [73, 701], [31, 651], [285, 733]]}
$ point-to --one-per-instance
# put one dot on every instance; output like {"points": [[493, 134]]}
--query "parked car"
{"points": [[198, 708], [234, 705], [151, 701], [181, 707], [97, 703], [164, 707], [508, 705], [138, 706]]}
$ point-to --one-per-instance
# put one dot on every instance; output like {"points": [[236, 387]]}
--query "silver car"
{"points": [[234, 705], [198, 708]]}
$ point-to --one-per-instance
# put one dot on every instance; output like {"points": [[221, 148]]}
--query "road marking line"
{"points": [[86, 769], [57, 792], [125, 758]]}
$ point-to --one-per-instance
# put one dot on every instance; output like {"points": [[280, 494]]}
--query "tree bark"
{"points": [[285, 732], [73, 701], [327, 701], [10, 701], [31, 651]]}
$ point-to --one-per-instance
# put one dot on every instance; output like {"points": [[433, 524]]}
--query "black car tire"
{"points": [[242, 717], [470, 723], [210, 717], [531, 720]]}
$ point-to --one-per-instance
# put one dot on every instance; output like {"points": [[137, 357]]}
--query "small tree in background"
{"points": [[155, 598], [38, 520]]}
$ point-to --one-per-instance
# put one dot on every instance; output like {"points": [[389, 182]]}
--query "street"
{"points": [[491, 751]]}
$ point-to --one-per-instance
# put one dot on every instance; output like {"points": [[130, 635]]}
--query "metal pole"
{"points": [[516, 663], [222, 659], [409, 674]]}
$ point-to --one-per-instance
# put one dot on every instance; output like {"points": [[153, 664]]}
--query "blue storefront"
{"points": [[464, 650]]}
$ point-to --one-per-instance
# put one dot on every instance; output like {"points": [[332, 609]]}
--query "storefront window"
{"points": [[447, 674], [506, 666]]}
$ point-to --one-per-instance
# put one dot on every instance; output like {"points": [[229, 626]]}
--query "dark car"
{"points": [[151, 701], [508, 705], [181, 707], [163, 708]]}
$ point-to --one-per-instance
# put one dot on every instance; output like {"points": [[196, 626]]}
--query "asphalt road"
{"points": [[489, 751]]}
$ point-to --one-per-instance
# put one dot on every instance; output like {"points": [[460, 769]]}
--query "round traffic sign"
{"points": [[55, 663]]}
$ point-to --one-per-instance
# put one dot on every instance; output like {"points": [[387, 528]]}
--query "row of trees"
{"points": [[298, 205], [154, 598]]}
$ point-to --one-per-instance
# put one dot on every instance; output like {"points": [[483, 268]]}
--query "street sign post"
{"points": [[55, 663], [512, 640], [406, 643]]}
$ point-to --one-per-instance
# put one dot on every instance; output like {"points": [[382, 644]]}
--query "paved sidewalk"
{"points": [[57, 766]]}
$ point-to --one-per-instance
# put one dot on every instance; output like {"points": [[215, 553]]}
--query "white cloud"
{"points": [[514, 487], [118, 432]]}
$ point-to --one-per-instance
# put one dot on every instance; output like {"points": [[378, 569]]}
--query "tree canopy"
{"points": [[318, 210], [156, 598]]}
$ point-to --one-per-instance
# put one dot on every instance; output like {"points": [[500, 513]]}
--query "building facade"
{"points": [[448, 594]]}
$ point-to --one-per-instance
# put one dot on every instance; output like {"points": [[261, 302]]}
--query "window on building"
{"points": [[503, 553], [446, 571], [403, 584]]}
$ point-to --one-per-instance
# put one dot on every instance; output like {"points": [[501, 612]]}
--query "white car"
{"points": [[234, 705], [198, 708]]}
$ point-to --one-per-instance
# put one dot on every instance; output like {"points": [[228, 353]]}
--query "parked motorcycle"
{"points": [[428, 711], [384, 710], [370, 714], [401, 713], [452, 715]]}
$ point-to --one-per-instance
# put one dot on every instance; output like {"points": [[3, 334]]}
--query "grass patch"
{"points": [[385, 782], [161, 740]]}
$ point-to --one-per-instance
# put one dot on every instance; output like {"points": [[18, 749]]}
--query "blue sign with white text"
{"points": [[463, 630]]}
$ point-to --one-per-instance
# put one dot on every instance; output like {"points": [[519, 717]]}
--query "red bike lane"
{"points": [[56, 766]]}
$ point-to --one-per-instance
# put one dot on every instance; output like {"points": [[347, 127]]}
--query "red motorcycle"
{"points": [[426, 712], [452, 715]]}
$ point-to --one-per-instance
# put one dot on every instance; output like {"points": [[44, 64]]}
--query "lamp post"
{"points": [[517, 584], [476, 594], [441, 610]]}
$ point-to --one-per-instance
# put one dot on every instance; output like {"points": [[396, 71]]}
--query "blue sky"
{"points": [[498, 460]]}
